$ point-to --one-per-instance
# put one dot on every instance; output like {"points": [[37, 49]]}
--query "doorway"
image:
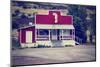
{"points": [[55, 37]]}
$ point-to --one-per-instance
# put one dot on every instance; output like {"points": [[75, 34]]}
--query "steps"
{"points": [[56, 43]]}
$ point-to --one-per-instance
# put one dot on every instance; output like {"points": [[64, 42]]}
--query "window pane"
{"points": [[43, 32], [66, 32]]}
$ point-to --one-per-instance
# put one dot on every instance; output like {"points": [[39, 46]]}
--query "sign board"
{"points": [[53, 17]]}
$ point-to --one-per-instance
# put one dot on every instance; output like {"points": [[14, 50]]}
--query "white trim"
{"points": [[41, 38], [41, 26], [49, 34]]}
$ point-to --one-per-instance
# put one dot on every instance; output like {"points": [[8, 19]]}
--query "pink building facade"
{"points": [[51, 28]]}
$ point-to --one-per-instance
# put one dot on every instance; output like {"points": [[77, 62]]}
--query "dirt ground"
{"points": [[53, 55]]}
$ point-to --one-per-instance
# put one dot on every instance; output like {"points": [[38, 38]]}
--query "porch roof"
{"points": [[38, 26]]}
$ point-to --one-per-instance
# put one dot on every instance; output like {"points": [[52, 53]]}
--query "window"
{"points": [[66, 32], [43, 32], [60, 32]]}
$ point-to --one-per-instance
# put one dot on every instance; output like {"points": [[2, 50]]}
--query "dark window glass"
{"points": [[43, 32]]}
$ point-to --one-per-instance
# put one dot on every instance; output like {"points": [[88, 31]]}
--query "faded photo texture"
{"points": [[48, 33]]}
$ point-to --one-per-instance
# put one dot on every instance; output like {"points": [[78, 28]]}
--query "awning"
{"points": [[40, 26]]}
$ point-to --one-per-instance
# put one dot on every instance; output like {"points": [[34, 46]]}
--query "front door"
{"points": [[55, 38], [28, 36], [55, 34]]}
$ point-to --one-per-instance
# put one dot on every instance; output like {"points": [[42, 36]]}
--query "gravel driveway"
{"points": [[53, 55]]}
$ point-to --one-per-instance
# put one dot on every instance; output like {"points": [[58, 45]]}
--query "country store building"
{"points": [[51, 28]]}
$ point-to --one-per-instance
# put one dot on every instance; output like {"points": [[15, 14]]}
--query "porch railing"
{"points": [[66, 37], [42, 37], [47, 37]]}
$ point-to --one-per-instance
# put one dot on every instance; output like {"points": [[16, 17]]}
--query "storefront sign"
{"points": [[53, 17]]}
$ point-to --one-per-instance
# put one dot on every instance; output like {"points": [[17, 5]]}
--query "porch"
{"points": [[55, 37], [54, 34]]}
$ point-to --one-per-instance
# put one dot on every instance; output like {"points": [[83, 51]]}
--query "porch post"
{"points": [[62, 34], [73, 34], [49, 34], [36, 36]]}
